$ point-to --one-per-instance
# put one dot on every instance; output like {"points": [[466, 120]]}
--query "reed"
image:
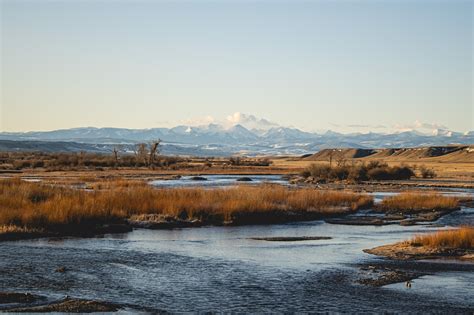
{"points": [[459, 238], [414, 202], [37, 205]]}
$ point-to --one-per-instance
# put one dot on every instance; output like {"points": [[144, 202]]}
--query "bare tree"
{"points": [[141, 152], [154, 151], [115, 151], [81, 158]]}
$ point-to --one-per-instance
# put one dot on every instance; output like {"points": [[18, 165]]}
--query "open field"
{"points": [[447, 162]]}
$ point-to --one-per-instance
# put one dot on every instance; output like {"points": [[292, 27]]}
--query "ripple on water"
{"points": [[453, 286], [221, 269]]}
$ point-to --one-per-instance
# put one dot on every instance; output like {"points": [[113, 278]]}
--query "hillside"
{"points": [[453, 154]]}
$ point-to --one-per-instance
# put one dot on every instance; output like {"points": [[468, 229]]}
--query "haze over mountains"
{"points": [[239, 134]]}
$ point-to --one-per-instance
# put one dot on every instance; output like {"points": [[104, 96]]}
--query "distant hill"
{"points": [[69, 146], [327, 154], [217, 140], [453, 153], [48, 146]]}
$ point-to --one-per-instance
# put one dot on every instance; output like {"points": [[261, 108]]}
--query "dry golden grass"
{"points": [[459, 238], [412, 202], [17, 229], [40, 205]]}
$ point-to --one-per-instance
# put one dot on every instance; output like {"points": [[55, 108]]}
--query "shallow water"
{"points": [[219, 181], [222, 269], [455, 286]]}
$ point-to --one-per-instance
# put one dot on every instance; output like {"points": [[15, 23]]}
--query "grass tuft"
{"points": [[459, 238], [416, 202]]}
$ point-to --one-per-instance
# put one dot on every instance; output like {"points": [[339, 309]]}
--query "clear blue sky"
{"points": [[310, 64]]}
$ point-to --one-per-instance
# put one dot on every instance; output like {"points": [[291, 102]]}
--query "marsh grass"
{"points": [[418, 202], [459, 238], [36, 205], [18, 229]]}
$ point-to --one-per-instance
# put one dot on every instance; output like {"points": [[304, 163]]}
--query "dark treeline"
{"points": [[116, 159], [373, 170]]}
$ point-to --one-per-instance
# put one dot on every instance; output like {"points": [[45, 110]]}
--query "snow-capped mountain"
{"points": [[240, 134]]}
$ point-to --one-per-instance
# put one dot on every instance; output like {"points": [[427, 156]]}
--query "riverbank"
{"points": [[454, 244], [30, 303]]}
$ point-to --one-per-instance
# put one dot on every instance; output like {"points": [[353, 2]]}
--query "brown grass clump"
{"points": [[45, 206], [459, 238], [17, 229], [415, 202]]}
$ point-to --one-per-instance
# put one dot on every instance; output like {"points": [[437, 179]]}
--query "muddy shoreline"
{"points": [[386, 272], [66, 305], [407, 251], [161, 222]]}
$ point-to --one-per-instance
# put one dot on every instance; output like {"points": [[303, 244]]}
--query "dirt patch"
{"points": [[70, 306], [159, 221], [378, 276], [377, 218], [360, 220], [73, 230], [407, 251]]}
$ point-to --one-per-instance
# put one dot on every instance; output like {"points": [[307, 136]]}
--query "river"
{"points": [[222, 269]]}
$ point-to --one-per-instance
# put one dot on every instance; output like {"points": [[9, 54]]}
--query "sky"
{"points": [[347, 66]]}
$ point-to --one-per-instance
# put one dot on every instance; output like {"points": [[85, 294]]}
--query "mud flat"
{"points": [[70, 230], [386, 272], [166, 222], [407, 251], [381, 275], [68, 305], [378, 219]]}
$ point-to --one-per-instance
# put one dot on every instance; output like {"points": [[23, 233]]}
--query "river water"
{"points": [[222, 269], [213, 181]]}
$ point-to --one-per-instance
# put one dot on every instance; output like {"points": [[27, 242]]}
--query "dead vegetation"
{"points": [[458, 238], [144, 156], [457, 243], [412, 202], [41, 206]]}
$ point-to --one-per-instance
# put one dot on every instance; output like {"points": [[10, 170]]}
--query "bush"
{"points": [[319, 171], [358, 174], [21, 164], [38, 163], [390, 173], [426, 172], [372, 171]]}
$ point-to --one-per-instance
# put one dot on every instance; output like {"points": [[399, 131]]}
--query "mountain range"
{"points": [[217, 140]]}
